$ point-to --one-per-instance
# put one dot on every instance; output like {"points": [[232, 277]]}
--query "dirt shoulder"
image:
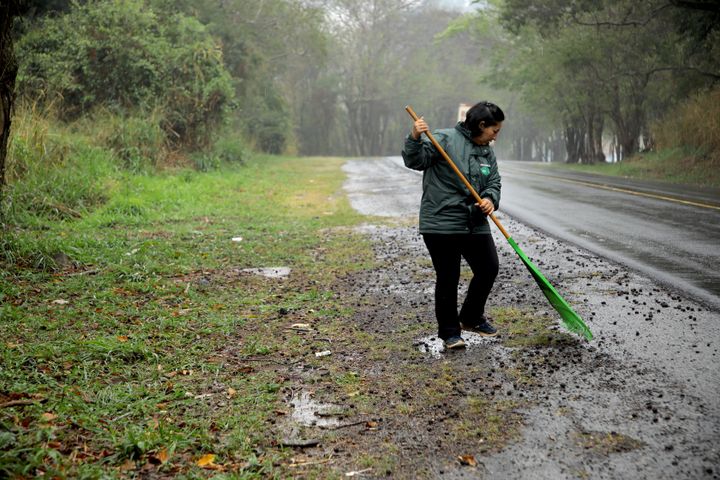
{"points": [[639, 401]]}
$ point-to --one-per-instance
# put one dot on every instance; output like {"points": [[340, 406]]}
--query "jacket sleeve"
{"points": [[493, 186], [419, 154]]}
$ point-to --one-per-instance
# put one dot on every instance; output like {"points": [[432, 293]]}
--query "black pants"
{"points": [[480, 253]]}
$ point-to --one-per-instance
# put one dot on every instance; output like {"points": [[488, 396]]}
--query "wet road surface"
{"points": [[668, 233]]}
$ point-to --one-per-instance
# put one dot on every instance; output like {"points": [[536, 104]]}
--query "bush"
{"points": [[227, 149], [114, 53], [267, 124]]}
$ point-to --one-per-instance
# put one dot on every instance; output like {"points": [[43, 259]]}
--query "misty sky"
{"points": [[459, 4]]}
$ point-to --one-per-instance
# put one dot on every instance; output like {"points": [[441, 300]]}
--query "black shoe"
{"points": [[454, 343], [484, 329]]}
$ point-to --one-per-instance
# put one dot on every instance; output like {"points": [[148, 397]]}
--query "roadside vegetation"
{"points": [[687, 147], [136, 340]]}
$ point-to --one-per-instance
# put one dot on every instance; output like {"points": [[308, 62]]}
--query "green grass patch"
{"points": [[131, 355]]}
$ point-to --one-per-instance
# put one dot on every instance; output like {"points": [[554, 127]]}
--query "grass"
{"points": [[672, 165], [523, 329], [605, 443], [130, 358]]}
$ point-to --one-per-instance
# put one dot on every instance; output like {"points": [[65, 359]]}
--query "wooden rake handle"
{"points": [[457, 171]]}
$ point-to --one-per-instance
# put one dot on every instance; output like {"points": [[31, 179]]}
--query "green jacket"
{"points": [[447, 205]]}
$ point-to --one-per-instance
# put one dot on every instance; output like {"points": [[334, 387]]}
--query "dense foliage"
{"points": [[124, 55], [581, 81]]}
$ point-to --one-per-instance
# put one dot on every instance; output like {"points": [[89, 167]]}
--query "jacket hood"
{"points": [[460, 127]]}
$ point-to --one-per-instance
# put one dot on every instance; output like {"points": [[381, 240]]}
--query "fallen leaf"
{"points": [[467, 460], [60, 301], [160, 457], [48, 417], [122, 338], [127, 465], [245, 369], [206, 460]]}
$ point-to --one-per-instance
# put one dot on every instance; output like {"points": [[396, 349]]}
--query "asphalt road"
{"points": [[668, 233], [671, 234]]}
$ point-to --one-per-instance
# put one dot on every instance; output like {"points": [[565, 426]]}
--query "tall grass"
{"points": [[693, 127], [60, 172], [137, 138], [52, 173]]}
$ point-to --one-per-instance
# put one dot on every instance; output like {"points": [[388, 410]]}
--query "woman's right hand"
{"points": [[419, 127]]}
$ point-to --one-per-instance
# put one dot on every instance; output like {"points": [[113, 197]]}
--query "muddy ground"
{"points": [[638, 401]]}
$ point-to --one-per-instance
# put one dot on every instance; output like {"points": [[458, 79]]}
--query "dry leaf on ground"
{"points": [[48, 417], [160, 457], [206, 459]]}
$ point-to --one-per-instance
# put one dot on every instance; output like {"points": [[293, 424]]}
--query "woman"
{"points": [[452, 223]]}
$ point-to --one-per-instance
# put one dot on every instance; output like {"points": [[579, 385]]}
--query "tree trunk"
{"points": [[574, 140], [8, 73], [593, 144]]}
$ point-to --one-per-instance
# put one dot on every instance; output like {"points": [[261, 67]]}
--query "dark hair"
{"points": [[486, 113]]}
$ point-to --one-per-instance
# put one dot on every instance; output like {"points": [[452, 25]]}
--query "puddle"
{"points": [[433, 346], [311, 413], [269, 272]]}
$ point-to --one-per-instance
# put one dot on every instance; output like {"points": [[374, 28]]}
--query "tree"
{"points": [[390, 53], [591, 66], [8, 73], [269, 47]]}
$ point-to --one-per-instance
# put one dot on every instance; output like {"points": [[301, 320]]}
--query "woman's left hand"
{"points": [[486, 206]]}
